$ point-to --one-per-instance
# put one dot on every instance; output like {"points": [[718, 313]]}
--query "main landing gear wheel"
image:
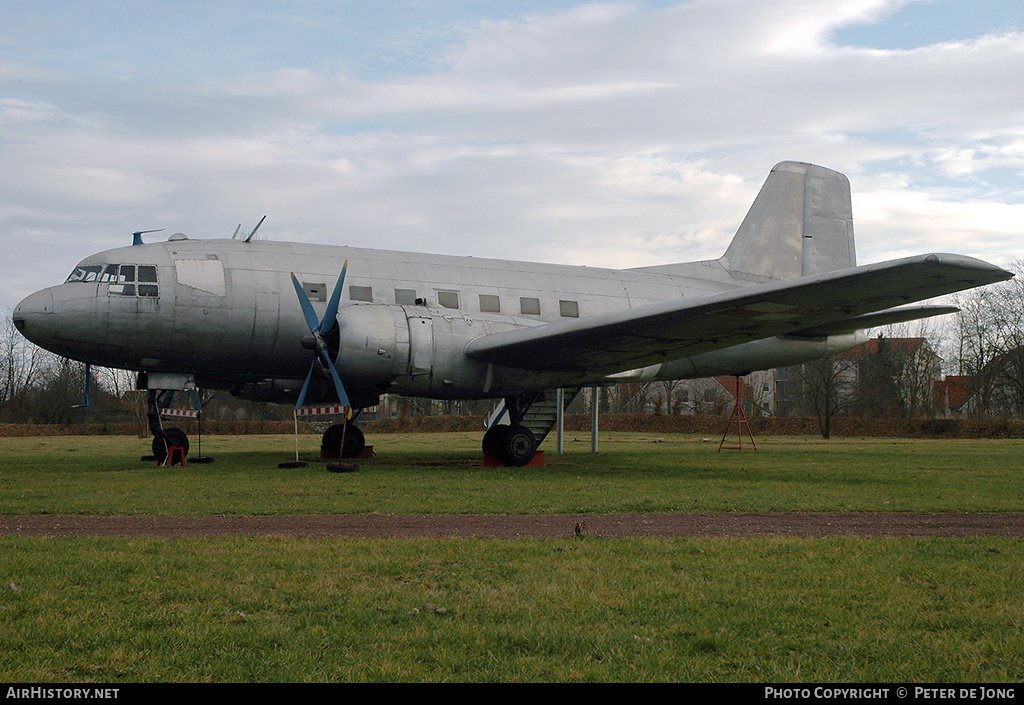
{"points": [[517, 446], [341, 442], [166, 439], [494, 437]]}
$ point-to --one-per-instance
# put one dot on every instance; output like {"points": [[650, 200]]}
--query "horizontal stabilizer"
{"points": [[876, 320]]}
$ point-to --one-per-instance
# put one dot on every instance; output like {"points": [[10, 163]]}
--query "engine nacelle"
{"points": [[416, 350], [370, 349]]}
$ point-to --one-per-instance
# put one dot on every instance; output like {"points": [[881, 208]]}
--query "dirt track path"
{"points": [[798, 524]]}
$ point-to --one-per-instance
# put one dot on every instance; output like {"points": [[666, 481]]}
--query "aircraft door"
{"points": [[421, 342], [266, 318], [414, 377]]}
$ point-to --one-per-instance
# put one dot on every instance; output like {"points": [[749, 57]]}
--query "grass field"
{"points": [[573, 609], [442, 473]]}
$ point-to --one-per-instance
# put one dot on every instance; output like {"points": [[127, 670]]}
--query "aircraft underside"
{"points": [[518, 424]]}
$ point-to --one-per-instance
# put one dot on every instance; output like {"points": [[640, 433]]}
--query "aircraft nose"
{"points": [[30, 315]]}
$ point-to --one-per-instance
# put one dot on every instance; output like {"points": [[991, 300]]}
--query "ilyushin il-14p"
{"points": [[321, 324]]}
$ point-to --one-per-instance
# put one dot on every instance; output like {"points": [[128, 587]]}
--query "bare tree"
{"points": [[988, 344], [896, 377], [61, 387], [1008, 321], [20, 363], [822, 389], [976, 345]]}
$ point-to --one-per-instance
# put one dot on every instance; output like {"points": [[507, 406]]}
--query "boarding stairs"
{"points": [[540, 417]]}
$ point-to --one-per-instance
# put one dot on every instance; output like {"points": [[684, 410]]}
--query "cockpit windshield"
{"points": [[124, 279], [85, 273]]}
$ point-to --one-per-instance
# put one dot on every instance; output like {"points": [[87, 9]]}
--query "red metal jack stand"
{"points": [[738, 418], [172, 453]]}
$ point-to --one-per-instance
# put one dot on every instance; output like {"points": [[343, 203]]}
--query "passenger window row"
{"points": [[489, 303]]}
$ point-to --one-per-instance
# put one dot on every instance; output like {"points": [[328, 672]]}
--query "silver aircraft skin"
{"points": [[285, 321]]}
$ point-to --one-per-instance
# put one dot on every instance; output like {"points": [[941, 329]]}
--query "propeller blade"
{"points": [[307, 306], [319, 328], [305, 387], [331, 314], [338, 386]]}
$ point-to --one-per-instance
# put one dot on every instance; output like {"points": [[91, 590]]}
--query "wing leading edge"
{"points": [[838, 301]]}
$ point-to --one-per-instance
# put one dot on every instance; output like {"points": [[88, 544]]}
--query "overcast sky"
{"points": [[606, 134]]}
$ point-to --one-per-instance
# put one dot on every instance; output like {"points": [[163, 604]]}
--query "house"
{"points": [[957, 396]]}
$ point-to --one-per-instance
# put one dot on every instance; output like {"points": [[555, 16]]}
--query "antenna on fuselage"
{"points": [[256, 228], [137, 236], [236, 231]]}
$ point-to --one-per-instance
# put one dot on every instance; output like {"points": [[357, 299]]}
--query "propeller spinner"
{"points": [[320, 329]]}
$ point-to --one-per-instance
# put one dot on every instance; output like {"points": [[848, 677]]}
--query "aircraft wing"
{"points": [[838, 301]]}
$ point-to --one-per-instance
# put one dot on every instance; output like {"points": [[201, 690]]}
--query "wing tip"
{"points": [[989, 272]]}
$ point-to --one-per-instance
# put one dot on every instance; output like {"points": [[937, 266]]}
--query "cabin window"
{"points": [[529, 306], [569, 309], [448, 299], [405, 297], [489, 303], [360, 293]]}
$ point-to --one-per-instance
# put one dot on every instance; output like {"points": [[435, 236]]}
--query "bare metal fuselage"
{"points": [[227, 314]]}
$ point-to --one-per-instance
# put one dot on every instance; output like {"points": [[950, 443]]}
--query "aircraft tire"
{"points": [[330, 444], [494, 437], [354, 442], [518, 446], [169, 437]]}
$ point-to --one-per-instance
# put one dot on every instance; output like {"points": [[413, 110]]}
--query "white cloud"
{"points": [[605, 134]]}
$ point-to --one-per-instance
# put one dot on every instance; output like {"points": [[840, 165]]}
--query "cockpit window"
{"points": [[123, 279], [85, 273], [109, 273], [147, 281]]}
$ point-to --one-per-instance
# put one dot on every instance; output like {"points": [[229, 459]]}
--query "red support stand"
{"points": [[493, 460], [172, 453], [739, 419]]}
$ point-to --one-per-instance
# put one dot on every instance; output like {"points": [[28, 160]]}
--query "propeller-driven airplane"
{"points": [[303, 323]]}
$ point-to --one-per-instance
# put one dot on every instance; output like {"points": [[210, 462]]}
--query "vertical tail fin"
{"points": [[801, 223]]}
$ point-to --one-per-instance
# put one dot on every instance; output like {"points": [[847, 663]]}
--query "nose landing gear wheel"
{"points": [[167, 439], [341, 442]]}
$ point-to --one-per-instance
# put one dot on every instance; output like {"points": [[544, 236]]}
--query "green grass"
{"points": [[571, 609], [742, 610], [442, 473]]}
